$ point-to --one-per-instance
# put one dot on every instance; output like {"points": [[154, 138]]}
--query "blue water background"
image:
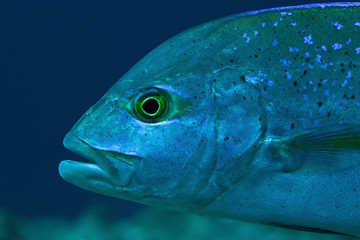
{"points": [[57, 58]]}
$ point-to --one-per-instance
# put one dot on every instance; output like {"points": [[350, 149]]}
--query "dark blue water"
{"points": [[57, 58]]}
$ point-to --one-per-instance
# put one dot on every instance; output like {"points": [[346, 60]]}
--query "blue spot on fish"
{"points": [[275, 43], [308, 40], [293, 49], [337, 46], [357, 50], [337, 25]]}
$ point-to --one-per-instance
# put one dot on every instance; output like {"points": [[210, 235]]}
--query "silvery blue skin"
{"points": [[260, 122]]}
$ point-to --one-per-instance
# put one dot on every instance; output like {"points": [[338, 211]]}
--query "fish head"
{"points": [[148, 137], [157, 137]]}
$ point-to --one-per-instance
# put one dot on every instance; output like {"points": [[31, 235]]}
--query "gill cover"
{"points": [[239, 123]]}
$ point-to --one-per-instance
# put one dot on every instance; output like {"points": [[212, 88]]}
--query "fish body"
{"points": [[253, 117]]}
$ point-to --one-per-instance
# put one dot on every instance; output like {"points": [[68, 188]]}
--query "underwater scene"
{"points": [[244, 127]]}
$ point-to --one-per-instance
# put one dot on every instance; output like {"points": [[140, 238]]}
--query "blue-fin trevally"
{"points": [[253, 117]]}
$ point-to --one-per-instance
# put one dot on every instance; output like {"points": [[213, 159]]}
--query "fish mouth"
{"points": [[104, 166], [112, 156]]}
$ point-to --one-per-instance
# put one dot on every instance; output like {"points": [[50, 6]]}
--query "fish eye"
{"points": [[151, 105]]}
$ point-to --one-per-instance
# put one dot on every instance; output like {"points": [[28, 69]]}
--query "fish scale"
{"points": [[305, 63]]}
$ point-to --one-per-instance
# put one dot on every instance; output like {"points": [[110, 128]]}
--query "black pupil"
{"points": [[151, 106]]}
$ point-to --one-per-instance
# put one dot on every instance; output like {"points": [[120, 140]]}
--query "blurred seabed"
{"points": [[100, 223]]}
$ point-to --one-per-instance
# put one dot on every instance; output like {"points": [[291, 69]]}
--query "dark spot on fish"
{"points": [[195, 97], [343, 70], [226, 138], [171, 45], [346, 53], [259, 119], [307, 59], [292, 126], [307, 25], [328, 114], [244, 97], [319, 104], [242, 78], [231, 60], [193, 123], [319, 84], [214, 80], [295, 83], [305, 72], [256, 56], [264, 89], [353, 97], [234, 91], [210, 44], [250, 56], [221, 64]]}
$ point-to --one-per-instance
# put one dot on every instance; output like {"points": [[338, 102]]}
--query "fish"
{"points": [[253, 117]]}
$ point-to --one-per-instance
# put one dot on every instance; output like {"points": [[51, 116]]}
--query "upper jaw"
{"points": [[118, 167]]}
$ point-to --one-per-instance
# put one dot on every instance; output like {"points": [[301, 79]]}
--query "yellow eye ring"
{"points": [[151, 105]]}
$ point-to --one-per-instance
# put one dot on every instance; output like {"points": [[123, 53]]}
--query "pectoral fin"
{"points": [[319, 149], [329, 139]]}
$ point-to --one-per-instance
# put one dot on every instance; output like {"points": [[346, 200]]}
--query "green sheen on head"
{"points": [[158, 135]]}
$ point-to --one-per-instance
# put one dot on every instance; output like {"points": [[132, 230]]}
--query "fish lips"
{"points": [[106, 171]]}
